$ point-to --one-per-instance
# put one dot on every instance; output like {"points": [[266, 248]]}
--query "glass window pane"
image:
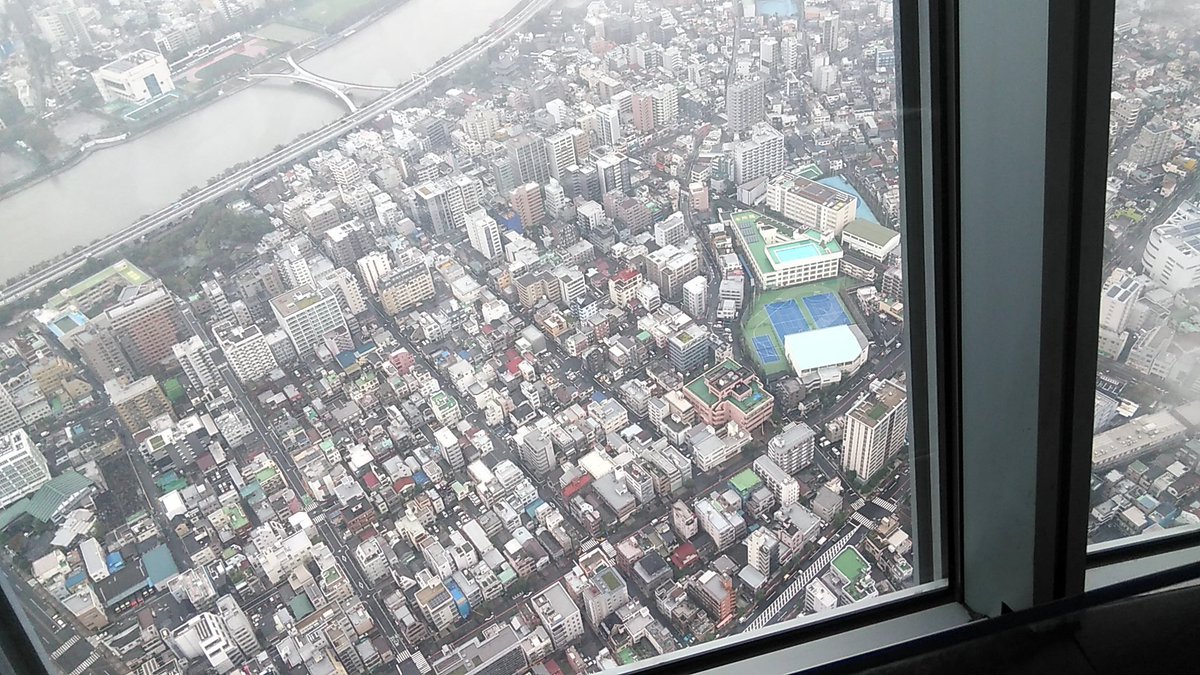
{"points": [[461, 336], [1145, 450]]}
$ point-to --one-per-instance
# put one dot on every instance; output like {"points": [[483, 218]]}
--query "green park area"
{"points": [[219, 70], [757, 324]]}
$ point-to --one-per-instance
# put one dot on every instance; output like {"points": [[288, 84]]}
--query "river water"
{"points": [[112, 188]]}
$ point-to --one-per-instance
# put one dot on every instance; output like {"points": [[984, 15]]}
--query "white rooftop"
{"points": [[821, 347]]}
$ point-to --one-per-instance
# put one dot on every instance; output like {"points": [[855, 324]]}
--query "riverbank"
{"points": [[81, 213], [197, 102]]}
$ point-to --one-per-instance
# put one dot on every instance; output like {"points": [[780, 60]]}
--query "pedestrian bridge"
{"points": [[338, 88]]}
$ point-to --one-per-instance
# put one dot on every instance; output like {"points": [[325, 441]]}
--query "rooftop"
{"points": [[850, 564], [872, 232], [774, 244], [822, 347]]}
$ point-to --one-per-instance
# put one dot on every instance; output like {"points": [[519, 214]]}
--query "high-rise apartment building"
{"points": [[246, 350], [695, 296], [374, 266], [812, 204], [604, 592], [560, 150], [760, 155], [405, 288], [792, 449], [642, 115], [1154, 145], [484, 234], [23, 468], [306, 314], [443, 203], [138, 402], [528, 155], [875, 429], [196, 362], [665, 105], [613, 171], [559, 615], [526, 200], [1120, 293], [146, 323], [745, 104], [610, 124]]}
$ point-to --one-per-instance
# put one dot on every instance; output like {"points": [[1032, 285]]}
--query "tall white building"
{"points": [[306, 314], [1121, 292], [781, 483], [137, 77], [670, 231], [196, 362], [760, 549], [443, 203], [206, 636], [560, 149], [610, 124], [237, 624], [603, 594], [372, 267], [1172, 256], [792, 449], [695, 297], [559, 615], [760, 155], [811, 204], [246, 350], [745, 104], [818, 597], [484, 234], [875, 430], [23, 468], [665, 102]]}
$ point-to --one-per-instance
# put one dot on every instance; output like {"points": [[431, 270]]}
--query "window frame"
{"points": [[1025, 558]]}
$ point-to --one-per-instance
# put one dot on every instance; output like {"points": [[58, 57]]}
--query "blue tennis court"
{"points": [[766, 349], [785, 316], [826, 311]]}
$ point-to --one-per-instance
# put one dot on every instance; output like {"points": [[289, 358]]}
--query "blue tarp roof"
{"points": [[598, 396], [420, 478], [533, 507], [460, 599], [114, 561]]}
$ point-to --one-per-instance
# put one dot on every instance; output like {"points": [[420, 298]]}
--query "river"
{"points": [[112, 188]]}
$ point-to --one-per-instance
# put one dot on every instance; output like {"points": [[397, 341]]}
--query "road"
{"points": [[68, 649], [242, 178], [337, 544]]}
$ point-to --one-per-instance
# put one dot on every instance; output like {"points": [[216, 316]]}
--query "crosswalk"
{"points": [[62, 649], [858, 504], [87, 663], [862, 520], [802, 581], [884, 504]]}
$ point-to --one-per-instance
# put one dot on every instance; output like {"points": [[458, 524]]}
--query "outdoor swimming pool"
{"points": [[789, 253]]}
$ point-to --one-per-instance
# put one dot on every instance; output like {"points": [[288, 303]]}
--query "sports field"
{"points": [[784, 311]]}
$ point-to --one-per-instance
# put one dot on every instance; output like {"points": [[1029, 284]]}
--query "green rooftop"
{"points": [[850, 564], [120, 271], [873, 232], [748, 226], [49, 499], [610, 579], [745, 482]]}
